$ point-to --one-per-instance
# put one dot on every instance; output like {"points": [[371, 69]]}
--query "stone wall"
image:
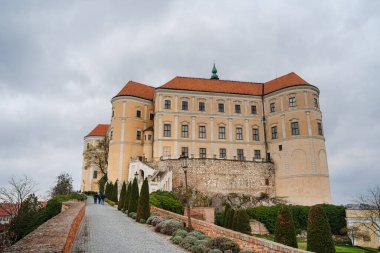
{"points": [[56, 235], [245, 241], [222, 175], [202, 213]]}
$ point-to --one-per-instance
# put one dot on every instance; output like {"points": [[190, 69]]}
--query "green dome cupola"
{"points": [[214, 71]]}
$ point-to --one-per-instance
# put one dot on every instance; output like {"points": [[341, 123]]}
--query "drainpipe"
{"points": [[264, 125]]}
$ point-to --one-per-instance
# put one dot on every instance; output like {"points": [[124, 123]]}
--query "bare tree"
{"points": [[15, 194], [98, 155], [371, 203]]}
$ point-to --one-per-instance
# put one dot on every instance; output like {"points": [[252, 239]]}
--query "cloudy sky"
{"points": [[62, 61]]}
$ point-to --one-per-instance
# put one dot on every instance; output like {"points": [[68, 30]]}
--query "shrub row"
{"points": [[166, 200], [268, 214]]}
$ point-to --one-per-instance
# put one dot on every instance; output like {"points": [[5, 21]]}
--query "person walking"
{"points": [[102, 197], [96, 198]]}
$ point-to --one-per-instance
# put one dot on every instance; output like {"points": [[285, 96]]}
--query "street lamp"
{"points": [[184, 160]]}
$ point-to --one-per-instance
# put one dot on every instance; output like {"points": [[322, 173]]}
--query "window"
{"points": [[168, 104], [280, 147], [185, 151], [222, 153], [95, 174], [185, 105], [138, 114], [185, 131], [167, 151], [149, 137], [253, 109], [222, 132], [257, 154], [320, 130], [237, 109], [220, 107], [274, 132], [295, 128], [113, 112], [240, 154], [151, 116], [202, 132], [138, 135], [272, 107], [202, 106], [167, 130], [292, 102], [267, 182], [255, 134], [202, 153], [316, 103], [239, 133]]}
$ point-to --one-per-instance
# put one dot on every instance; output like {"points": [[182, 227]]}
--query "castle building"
{"points": [[245, 137]]}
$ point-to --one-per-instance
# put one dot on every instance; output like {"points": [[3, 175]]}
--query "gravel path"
{"points": [[105, 229]]}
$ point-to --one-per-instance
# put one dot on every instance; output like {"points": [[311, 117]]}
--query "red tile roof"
{"points": [[213, 85], [290, 79], [137, 90], [233, 87], [99, 130]]}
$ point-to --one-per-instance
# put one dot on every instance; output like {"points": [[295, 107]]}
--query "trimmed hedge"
{"points": [[166, 200], [336, 216], [285, 232]]}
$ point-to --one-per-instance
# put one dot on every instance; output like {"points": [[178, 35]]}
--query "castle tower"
{"points": [[132, 113], [296, 143]]}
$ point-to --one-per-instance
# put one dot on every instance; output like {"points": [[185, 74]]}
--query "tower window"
{"points": [[274, 132], [185, 105], [138, 135], [257, 154], [240, 154], [255, 134], [272, 107], [202, 106], [222, 133], [316, 103], [220, 107], [149, 137], [253, 109], [168, 104], [138, 114], [320, 130], [185, 131], [239, 133], [167, 130], [292, 102], [202, 132], [202, 153], [95, 174], [280, 147], [185, 151], [151, 116], [237, 109], [222, 153], [113, 112], [295, 128]]}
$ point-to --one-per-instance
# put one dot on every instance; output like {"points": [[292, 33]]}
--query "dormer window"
{"points": [[168, 104]]}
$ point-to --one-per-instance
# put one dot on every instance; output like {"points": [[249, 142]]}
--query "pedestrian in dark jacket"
{"points": [[96, 198], [102, 197]]}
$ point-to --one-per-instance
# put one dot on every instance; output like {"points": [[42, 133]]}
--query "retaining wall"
{"points": [[252, 243], [55, 235]]}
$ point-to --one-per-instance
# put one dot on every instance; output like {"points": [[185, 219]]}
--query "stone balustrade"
{"points": [[55, 235]]}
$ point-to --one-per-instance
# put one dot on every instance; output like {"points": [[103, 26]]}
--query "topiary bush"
{"points": [[201, 248], [241, 222], [168, 227], [223, 244], [123, 192], [134, 197], [156, 220], [285, 232], [176, 239], [127, 197], [198, 234], [319, 238], [166, 200], [188, 242], [180, 232]]}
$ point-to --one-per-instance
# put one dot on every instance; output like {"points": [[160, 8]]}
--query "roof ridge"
{"points": [[223, 80], [139, 83]]}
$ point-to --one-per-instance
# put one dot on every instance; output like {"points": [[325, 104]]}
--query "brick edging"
{"points": [[245, 241]]}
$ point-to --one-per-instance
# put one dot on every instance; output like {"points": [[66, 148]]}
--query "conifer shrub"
{"points": [[234, 220], [319, 238], [242, 222], [285, 232], [109, 187], [223, 244], [188, 242], [143, 208], [227, 218], [134, 198], [230, 219], [176, 239], [127, 197], [123, 192], [168, 227], [226, 208], [114, 192]]}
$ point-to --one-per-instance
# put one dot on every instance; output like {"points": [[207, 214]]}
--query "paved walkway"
{"points": [[105, 229]]}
